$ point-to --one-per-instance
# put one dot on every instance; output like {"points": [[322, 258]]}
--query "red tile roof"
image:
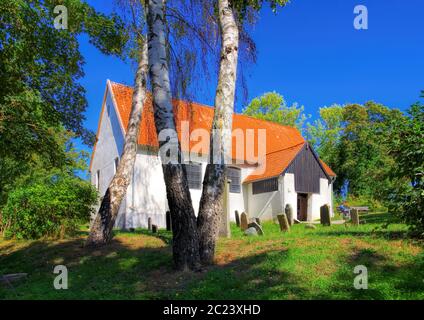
{"points": [[282, 142]]}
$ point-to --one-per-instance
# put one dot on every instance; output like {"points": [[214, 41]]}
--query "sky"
{"points": [[310, 53]]}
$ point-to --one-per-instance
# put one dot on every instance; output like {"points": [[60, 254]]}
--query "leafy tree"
{"points": [[324, 133], [406, 198], [272, 106], [40, 71], [355, 141]]}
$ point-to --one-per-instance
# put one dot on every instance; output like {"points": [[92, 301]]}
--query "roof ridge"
{"points": [[212, 107], [294, 146]]}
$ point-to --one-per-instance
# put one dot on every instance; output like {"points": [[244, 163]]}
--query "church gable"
{"points": [[307, 171]]}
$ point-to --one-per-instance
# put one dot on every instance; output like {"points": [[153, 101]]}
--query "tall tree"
{"points": [[406, 197], [324, 133], [40, 71], [185, 244], [101, 228], [231, 15], [104, 221], [210, 208]]}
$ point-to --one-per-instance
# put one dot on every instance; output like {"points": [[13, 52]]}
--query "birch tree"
{"points": [[210, 208], [101, 228], [185, 239], [230, 15]]}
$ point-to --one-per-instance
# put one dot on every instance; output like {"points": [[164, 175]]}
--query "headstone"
{"points": [[237, 218], [224, 230], [289, 213], [325, 215], [251, 232], [310, 226], [257, 227], [284, 223], [258, 221], [168, 221], [149, 224], [154, 228], [354, 215], [243, 221]]}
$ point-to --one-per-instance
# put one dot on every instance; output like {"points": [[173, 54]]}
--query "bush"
{"points": [[49, 206]]}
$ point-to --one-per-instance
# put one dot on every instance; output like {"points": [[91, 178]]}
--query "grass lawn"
{"points": [[303, 264]]}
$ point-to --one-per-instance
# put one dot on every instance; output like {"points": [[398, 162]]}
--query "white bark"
{"points": [[101, 228], [211, 203], [185, 239]]}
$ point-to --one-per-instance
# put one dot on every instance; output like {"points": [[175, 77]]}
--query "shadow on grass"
{"points": [[378, 233], [386, 279], [139, 266]]}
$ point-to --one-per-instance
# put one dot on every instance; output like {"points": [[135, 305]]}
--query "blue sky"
{"points": [[311, 54]]}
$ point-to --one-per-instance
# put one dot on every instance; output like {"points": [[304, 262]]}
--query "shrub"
{"points": [[49, 206]]}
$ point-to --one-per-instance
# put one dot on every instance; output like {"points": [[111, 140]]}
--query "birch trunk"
{"points": [[101, 228], [211, 202], [185, 244]]}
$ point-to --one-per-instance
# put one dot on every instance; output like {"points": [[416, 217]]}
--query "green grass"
{"points": [[302, 264]]}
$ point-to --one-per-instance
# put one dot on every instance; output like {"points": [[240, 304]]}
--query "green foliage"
{"points": [[324, 134], [407, 196], [51, 205], [39, 60], [40, 93], [271, 106], [355, 141]]}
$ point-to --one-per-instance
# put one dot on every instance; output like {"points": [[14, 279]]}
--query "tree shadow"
{"points": [[386, 278], [139, 266]]}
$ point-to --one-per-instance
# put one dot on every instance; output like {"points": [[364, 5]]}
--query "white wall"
{"points": [[109, 146], [315, 200], [146, 196], [265, 206], [289, 193]]}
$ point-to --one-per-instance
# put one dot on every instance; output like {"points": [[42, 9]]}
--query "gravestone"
{"points": [[154, 228], [149, 224], [289, 213], [237, 218], [325, 215], [257, 227], [354, 216], [168, 221], [224, 229], [310, 226], [243, 221], [251, 232], [258, 221], [283, 221]]}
